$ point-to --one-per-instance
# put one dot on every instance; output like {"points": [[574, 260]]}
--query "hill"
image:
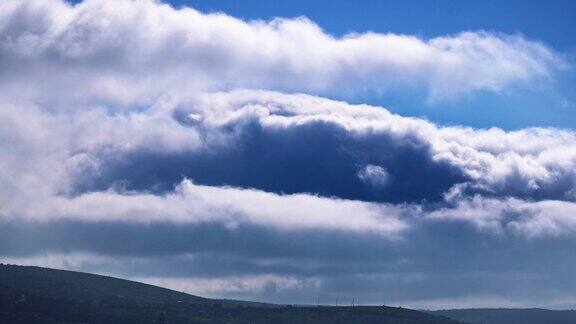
{"points": [[41, 295], [510, 315]]}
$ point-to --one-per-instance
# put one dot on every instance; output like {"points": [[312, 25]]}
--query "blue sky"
{"points": [[553, 23], [381, 150]]}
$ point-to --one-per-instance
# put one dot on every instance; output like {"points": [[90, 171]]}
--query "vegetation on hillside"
{"points": [[40, 295]]}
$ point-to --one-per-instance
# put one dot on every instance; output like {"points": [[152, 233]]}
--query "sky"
{"points": [[551, 105], [420, 154]]}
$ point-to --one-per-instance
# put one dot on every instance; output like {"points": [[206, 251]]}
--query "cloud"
{"points": [[261, 284], [128, 52], [192, 203], [292, 150], [440, 260], [374, 175], [128, 118], [278, 234], [269, 135], [526, 218]]}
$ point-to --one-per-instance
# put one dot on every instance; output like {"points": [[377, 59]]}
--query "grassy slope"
{"points": [[40, 295]]}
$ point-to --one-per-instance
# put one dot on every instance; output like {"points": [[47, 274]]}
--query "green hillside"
{"points": [[41, 295]]}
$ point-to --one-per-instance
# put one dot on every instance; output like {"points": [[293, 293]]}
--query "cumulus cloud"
{"points": [[72, 164], [530, 163], [126, 118], [130, 51]]}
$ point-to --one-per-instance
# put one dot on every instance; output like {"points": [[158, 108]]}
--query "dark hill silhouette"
{"points": [[510, 315], [41, 295]]}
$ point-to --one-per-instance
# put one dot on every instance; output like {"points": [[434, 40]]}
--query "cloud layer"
{"points": [[278, 180], [128, 51], [132, 120]]}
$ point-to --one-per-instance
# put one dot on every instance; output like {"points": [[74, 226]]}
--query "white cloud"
{"points": [[374, 175], [191, 203], [130, 51], [530, 219]]}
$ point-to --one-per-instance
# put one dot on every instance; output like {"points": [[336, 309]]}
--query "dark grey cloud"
{"points": [[316, 157], [293, 143], [435, 261]]}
